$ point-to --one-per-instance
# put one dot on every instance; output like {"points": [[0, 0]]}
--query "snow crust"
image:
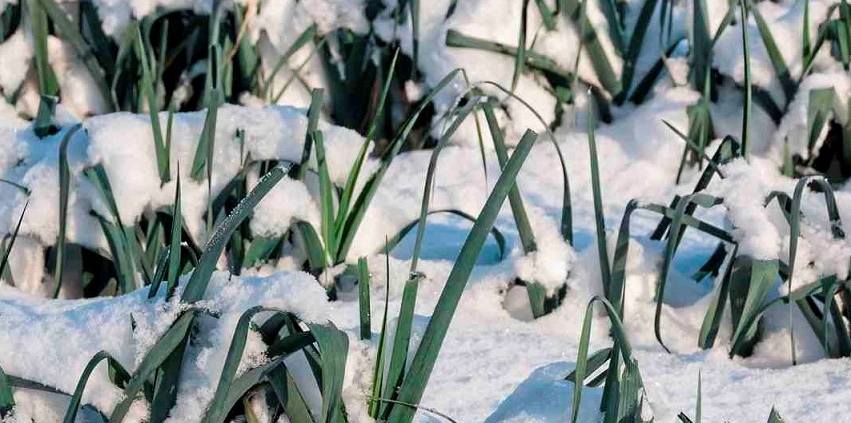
{"points": [[493, 367]]}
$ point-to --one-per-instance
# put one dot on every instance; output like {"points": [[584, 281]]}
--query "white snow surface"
{"points": [[495, 365], [490, 358], [51, 341]]}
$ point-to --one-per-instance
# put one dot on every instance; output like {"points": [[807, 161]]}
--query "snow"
{"points": [[31, 327], [499, 24], [786, 23], [269, 220], [549, 266], [794, 128], [17, 53], [497, 364], [757, 235], [486, 358], [123, 144], [78, 88]]}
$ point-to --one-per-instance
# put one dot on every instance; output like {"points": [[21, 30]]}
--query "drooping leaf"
{"points": [[497, 235], [312, 246], [674, 235], [289, 396], [76, 398]]}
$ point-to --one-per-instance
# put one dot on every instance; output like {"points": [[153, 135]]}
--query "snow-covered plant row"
{"points": [[174, 330], [689, 177], [277, 52], [759, 204]]}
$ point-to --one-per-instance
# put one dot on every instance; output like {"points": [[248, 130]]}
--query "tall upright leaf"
{"points": [[626, 405], [203, 159], [781, 69], [515, 200], [746, 116], [363, 300], [701, 45], [4, 261], [170, 341], [174, 242], [64, 192], [47, 84], [520, 59], [361, 203], [72, 35], [326, 196], [150, 93], [599, 60], [600, 223], [354, 173], [422, 365]]}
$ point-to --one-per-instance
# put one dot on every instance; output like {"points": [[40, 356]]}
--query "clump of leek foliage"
{"points": [[397, 388], [743, 283], [158, 375], [180, 61], [156, 66]]}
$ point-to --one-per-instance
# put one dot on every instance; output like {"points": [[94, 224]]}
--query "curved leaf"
{"points": [[496, 233], [74, 404]]}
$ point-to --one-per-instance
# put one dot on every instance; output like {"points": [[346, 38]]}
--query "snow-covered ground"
{"points": [[496, 365], [491, 360]]}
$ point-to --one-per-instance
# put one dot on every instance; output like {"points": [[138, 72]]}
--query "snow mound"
{"points": [[51, 341]]}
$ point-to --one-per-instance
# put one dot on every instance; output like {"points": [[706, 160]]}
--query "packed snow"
{"points": [[497, 364]]}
